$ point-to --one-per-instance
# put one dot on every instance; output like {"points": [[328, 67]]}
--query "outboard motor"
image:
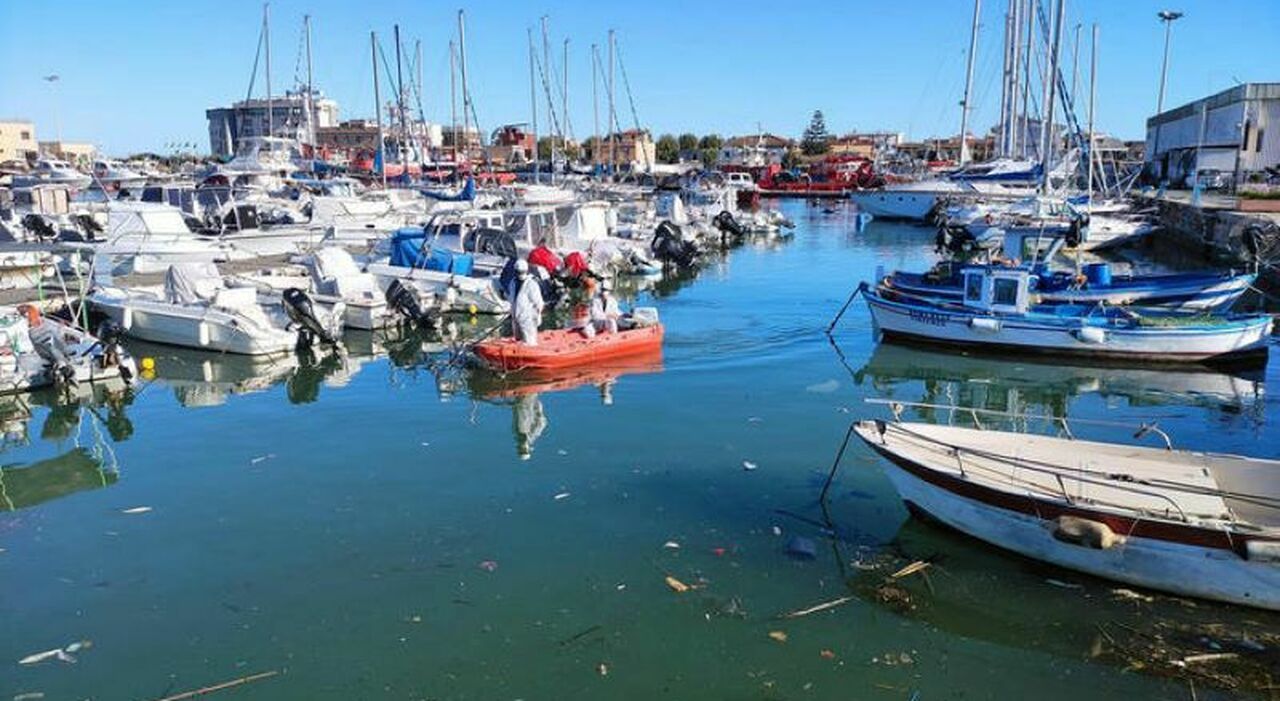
{"points": [[404, 302], [955, 240], [37, 225], [937, 214], [669, 246], [1075, 230], [303, 313], [110, 335], [728, 226]]}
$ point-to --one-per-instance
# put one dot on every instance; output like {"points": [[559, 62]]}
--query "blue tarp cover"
{"points": [[408, 251]]}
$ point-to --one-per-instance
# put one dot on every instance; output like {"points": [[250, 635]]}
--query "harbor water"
{"points": [[392, 528]]}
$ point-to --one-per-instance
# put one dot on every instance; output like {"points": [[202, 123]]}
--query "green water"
{"points": [[372, 531]]}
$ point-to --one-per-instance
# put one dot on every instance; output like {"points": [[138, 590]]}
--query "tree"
{"points": [[710, 141], [816, 140], [688, 143], [667, 150]]}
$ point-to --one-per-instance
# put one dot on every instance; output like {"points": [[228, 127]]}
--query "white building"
{"points": [[1235, 131], [248, 118]]}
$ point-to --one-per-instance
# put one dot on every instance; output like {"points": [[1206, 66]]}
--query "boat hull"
{"points": [[212, 331], [562, 348], [1010, 523], [941, 325]]}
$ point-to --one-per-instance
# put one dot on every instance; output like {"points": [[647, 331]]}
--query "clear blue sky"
{"points": [[138, 74]]}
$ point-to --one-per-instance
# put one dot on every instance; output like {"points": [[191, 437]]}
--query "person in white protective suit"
{"points": [[526, 311], [604, 310]]}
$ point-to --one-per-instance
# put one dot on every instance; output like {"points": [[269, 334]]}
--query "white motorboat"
{"points": [[59, 172], [144, 237], [1196, 524], [113, 174], [195, 309], [37, 351], [335, 284]]}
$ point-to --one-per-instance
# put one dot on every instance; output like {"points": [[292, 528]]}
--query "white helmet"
{"points": [[522, 267]]}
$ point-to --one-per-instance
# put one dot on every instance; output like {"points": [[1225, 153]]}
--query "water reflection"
{"points": [[77, 470], [1015, 384]]}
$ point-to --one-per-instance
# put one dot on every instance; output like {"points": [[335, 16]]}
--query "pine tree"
{"points": [[816, 140]]}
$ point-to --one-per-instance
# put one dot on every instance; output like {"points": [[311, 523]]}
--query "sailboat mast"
{"points": [[533, 107], [1051, 90], [403, 141], [595, 102], [1093, 94], [1025, 129], [309, 102], [462, 72], [377, 109], [266, 33], [453, 97], [968, 85], [613, 116], [564, 99], [1015, 76], [551, 108]]}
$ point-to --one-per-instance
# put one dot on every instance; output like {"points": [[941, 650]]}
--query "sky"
{"points": [[137, 75]]}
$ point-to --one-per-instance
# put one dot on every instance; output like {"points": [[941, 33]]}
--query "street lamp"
{"points": [[1166, 16]]}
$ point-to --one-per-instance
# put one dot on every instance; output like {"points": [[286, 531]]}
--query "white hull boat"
{"points": [[446, 291], [1195, 524]]}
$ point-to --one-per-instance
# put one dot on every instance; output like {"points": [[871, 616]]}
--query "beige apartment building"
{"points": [[18, 140]]}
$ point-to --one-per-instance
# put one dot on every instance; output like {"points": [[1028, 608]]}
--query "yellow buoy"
{"points": [[472, 309], [148, 364]]}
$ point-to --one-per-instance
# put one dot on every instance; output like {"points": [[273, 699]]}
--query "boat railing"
{"points": [[896, 406], [1057, 472]]}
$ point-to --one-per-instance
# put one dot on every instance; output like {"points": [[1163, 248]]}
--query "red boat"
{"points": [[487, 385], [834, 176], [566, 348]]}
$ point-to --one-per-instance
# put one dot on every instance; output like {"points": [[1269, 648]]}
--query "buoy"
{"points": [[202, 334], [148, 364], [126, 318], [472, 309], [1092, 334]]}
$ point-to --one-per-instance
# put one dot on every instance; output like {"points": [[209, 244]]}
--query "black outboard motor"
{"points": [[404, 302], [1075, 230], [728, 226], [303, 313], [670, 247], [37, 225], [937, 214], [110, 335], [955, 240]]}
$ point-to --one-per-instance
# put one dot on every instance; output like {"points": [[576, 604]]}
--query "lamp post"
{"points": [[52, 80], [1168, 17]]}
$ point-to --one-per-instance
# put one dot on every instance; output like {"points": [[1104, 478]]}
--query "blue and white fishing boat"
{"points": [[997, 311], [1209, 291]]}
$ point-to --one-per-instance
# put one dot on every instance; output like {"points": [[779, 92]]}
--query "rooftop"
{"points": [[1238, 93]]}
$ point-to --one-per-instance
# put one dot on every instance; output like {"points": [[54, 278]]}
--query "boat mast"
{"points": [[310, 106], [613, 115], [453, 97], [1052, 90], [595, 103], [377, 109], [1015, 50], [533, 108], [422, 117], [1028, 47], [564, 99], [968, 85], [1093, 93], [462, 72], [266, 33], [551, 109], [404, 127], [1002, 136]]}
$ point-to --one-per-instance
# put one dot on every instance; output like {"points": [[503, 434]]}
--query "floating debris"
{"points": [[262, 458], [602, 669], [802, 548], [824, 387], [917, 566], [748, 465], [488, 565], [820, 607], [780, 636], [671, 545], [562, 495], [1062, 584], [1132, 595], [136, 510], [676, 585]]}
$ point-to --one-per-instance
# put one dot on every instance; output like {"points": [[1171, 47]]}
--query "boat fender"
{"points": [[1262, 551], [1085, 533], [1092, 334], [982, 323], [202, 333], [126, 318]]}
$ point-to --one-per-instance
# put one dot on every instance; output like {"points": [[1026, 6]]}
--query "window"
{"points": [[1244, 143], [973, 288], [1006, 292], [1257, 144], [26, 136]]}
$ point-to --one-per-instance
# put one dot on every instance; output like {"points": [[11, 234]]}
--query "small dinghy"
{"points": [[1196, 524], [566, 348]]}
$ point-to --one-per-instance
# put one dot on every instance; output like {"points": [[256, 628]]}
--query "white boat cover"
{"points": [[192, 283]]}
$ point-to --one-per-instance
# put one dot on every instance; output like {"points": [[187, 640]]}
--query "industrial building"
{"points": [[18, 140], [1234, 131]]}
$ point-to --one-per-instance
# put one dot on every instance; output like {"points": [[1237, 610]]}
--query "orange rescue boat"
{"points": [[566, 348]]}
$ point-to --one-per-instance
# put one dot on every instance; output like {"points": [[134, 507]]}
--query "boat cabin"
{"points": [[1000, 290]]}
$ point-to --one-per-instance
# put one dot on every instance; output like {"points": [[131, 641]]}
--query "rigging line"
{"points": [[253, 77], [635, 117], [546, 88]]}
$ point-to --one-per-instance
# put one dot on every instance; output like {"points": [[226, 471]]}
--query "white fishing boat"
{"points": [[1197, 524], [195, 309], [38, 351]]}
